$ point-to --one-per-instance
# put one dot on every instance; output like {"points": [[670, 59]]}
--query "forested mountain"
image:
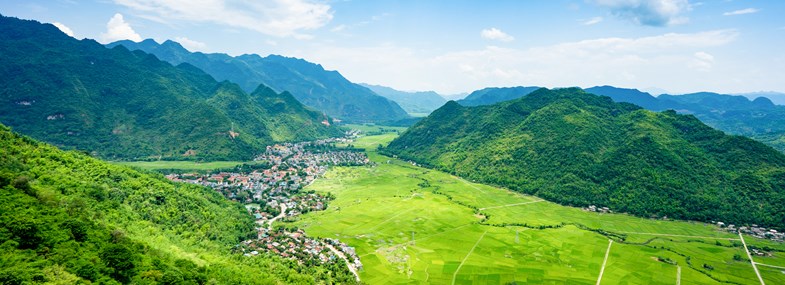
{"points": [[326, 91], [117, 104], [580, 149], [72, 219], [734, 114], [412, 102], [492, 95]]}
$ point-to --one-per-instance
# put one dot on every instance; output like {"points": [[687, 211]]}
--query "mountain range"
{"points": [[758, 118], [323, 90], [412, 102], [580, 149], [118, 104]]}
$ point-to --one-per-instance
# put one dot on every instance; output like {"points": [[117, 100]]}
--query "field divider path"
{"points": [[674, 235], [467, 183], [768, 265], [454, 275], [751, 260], [605, 261], [510, 205], [678, 275]]}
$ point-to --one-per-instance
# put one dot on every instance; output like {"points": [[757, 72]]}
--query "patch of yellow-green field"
{"points": [[181, 165], [419, 115], [415, 225], [373, 128]]}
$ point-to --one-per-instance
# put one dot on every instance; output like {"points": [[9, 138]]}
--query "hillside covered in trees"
{"points": [[117, 104], [69, 219], [579, 149], [326, 91]]}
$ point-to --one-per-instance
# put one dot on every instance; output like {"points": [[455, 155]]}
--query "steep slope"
{"points": [[492, 95], [326, 91], [119, 104], [579, 149], [72, 219], [412, 102]]}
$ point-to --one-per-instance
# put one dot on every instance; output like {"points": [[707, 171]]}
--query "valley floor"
{"points": [[415, 225]]}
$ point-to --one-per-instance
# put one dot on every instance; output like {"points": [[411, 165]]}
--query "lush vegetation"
{"points": [[68, 219], [758, 118], [579, 149], [470, 233], [118, 104], [415, 103], [492, 95], [326, 91]]}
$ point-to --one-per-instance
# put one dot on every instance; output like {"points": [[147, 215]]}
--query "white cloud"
{"points": [[702, 61], [117, 29], [667, 60], [592, 21], [280, 18], [649, 12], [63, 28], [190, 44], [496, 34], [741, 12]]}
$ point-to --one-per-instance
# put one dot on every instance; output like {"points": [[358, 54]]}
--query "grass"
{"points": [[379, 209], [181, 165]]}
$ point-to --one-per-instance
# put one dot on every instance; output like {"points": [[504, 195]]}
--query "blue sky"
{"points": [[458, 46]]}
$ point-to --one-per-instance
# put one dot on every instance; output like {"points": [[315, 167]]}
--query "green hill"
{"points": [[326, 91], [72, 219], [579, 149], [119, 104]]}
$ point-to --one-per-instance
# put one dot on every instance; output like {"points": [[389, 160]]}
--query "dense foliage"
{"points": [[757, 118], [492, 95], [69, 219], [579, 149], [118, 104], [412, 102], [326, 91]]}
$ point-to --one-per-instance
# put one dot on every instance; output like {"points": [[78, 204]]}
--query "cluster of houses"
{"points": [[275, 193], [294, 205], [292, 166], [755, 231], [351, 256], [297, 246], [593, 208]]}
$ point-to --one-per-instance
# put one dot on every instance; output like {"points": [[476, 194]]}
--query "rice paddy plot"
{"points": [[415, 225]]}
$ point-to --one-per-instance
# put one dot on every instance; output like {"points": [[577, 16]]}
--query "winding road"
{"points": [[270, 222], [348, 263]]}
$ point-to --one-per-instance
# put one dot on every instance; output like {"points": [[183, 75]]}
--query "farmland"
{"points": [[415, 225]]}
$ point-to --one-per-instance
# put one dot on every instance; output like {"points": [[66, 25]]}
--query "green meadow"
{"points": [[415, 225]]}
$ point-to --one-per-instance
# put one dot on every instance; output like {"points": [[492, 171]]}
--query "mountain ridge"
{"points": [[326, 91], [120, 104]]}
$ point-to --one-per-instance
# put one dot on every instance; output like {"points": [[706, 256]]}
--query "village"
{"points": [[271, 189], [755, 231]]}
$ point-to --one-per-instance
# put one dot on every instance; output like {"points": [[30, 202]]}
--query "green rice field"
{"points": [[414, 225]]}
